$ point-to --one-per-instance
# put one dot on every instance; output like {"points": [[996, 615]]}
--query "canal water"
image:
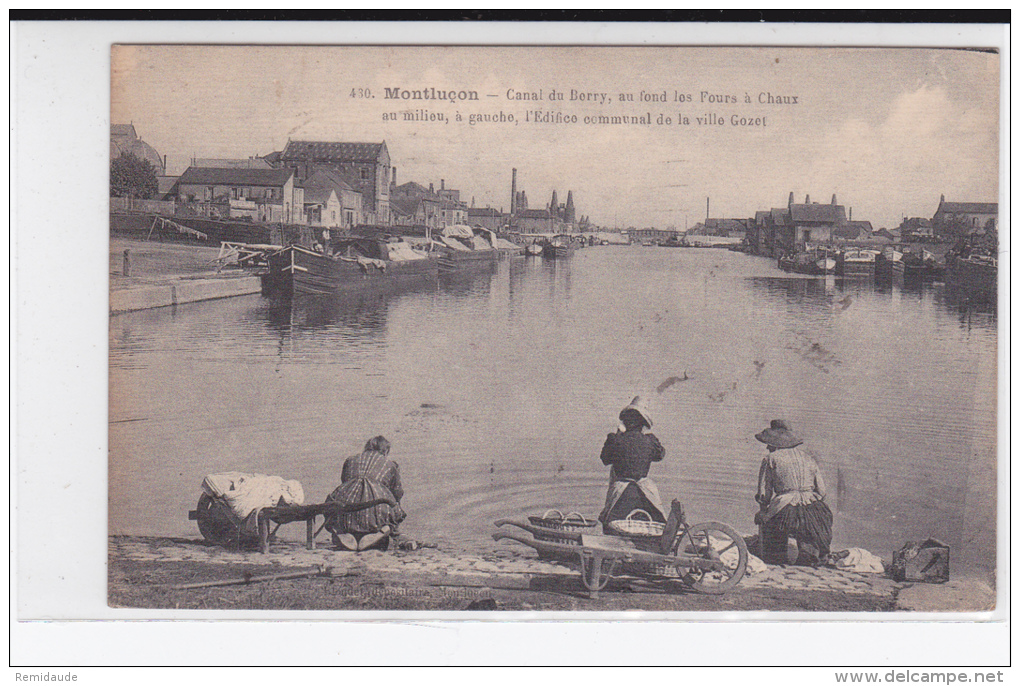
{"points": [[497, 392]]}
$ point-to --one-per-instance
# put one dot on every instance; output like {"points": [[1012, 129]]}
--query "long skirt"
{"points": [[619, 504], [810, 525], [370, 519]]}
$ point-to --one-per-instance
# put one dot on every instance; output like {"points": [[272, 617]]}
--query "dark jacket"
{"points": [[631, 453]]}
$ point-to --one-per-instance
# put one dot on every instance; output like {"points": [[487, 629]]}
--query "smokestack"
{"points": [[513, 193], [833, 198], [708, 205], [790, 201], [442, 184], [807, 199], [851, 214], [432, 189]]}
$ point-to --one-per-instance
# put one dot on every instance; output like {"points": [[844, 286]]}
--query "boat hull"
{"points": [[973, 277], [557, 252], [452, 261], [854, 268], [296, 271]]}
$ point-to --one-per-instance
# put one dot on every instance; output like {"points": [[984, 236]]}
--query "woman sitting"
{"points": [[365, 478]]}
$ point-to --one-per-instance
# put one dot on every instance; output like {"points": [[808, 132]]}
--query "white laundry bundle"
{"points": [[859, 560], [245, 493]]}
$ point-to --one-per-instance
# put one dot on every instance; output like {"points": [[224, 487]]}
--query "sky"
{"points": [[887, 130]]}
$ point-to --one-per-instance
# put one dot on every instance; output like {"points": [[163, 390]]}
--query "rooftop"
{"points": [[968, 207], [211, 176], [818, 213], [333, 151]]}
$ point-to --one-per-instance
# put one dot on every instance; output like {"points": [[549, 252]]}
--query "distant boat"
{"points": [[533, 250], [885, 263], [826, 264], [910, 267], [296, 270], [559, 248], [800, 263], [857, 262]]}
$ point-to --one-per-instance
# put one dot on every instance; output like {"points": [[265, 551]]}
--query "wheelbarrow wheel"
{"points": [[715, 543], [215, 523]]}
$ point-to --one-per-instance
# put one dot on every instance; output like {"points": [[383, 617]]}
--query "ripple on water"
{"points": [[498, 390]]}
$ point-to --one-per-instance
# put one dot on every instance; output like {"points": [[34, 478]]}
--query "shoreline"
{"points": [[148, 572]]}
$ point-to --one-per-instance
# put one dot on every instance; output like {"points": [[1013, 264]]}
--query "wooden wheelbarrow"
{"points": [[218, 524], [709, 557]]}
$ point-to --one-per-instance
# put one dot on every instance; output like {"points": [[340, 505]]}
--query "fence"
{"points": [[138, 205]]}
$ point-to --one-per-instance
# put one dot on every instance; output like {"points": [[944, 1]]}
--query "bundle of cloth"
{"points": [[246, 493]]}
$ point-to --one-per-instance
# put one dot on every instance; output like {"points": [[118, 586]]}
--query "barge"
{"points": [[296, 270]]}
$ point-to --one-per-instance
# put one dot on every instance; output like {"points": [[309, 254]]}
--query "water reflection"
{"points": [[498, 389]]}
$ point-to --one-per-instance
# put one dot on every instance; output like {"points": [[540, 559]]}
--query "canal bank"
{"points": [[185, 573], [145, 275]]}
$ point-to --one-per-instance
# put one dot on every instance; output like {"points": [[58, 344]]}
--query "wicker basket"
{"points": [[633, 527], [573, 521]]}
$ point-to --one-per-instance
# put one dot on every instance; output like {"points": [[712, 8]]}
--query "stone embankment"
{"points": [[146, 275]]}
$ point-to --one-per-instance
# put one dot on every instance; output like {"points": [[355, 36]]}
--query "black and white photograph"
{"points": [[387, 343], [553, 328]]}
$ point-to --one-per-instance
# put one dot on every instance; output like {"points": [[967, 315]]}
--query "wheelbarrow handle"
{"points": [[541, 530], [540, 546]]}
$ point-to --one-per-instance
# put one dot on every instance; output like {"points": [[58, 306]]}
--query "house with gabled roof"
{"points": [[535, 221], [954, 219], [422, 212], [365, 166], [268, 195], [486, 217], [331, 201]]}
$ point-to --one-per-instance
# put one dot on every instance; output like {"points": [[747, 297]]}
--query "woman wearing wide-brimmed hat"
{"points": [[791, 493], [630, 454]]}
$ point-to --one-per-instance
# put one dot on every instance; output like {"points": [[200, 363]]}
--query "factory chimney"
{"points": [[513, 194]]}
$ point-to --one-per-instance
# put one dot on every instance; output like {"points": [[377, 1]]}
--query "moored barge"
{"points": [[295, 270]]}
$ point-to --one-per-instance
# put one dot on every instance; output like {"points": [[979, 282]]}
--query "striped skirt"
{"points": [[810, 525], [365, 521]]}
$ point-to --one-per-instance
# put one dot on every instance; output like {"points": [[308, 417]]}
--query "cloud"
{"points": [[924, 145]]}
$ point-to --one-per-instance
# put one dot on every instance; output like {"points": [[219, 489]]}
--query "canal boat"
{"points": [[507, 248], [559, 248], [857, 262], [885, 263], [977, 275], [910, 268], [799, 263], [461, 248], [533, 250], [825, 262], [356, 261], [935, 263]]}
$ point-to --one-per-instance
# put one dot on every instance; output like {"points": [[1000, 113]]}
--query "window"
{"points": [[364, 173]]}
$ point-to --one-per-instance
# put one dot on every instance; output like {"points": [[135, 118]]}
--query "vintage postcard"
{"points": [[586, 329]]}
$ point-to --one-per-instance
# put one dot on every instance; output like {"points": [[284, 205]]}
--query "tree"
{"points": [[132, 177]]}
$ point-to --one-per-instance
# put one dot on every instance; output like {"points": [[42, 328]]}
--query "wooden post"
{"points": [[127, 262], [310, 530], [263, 527]]}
